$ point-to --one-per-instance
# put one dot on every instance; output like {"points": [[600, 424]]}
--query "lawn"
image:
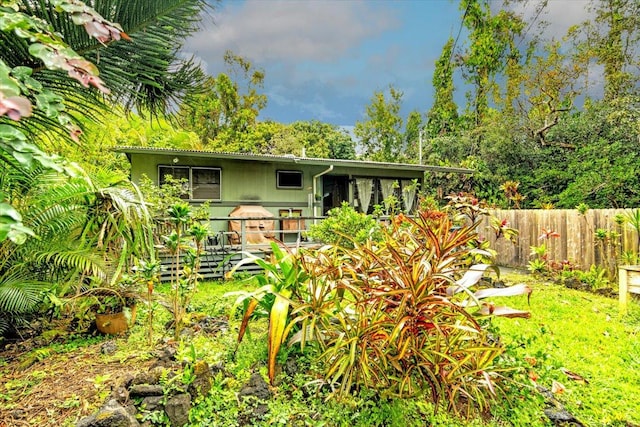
{"points": [[584, 334], [575, 343]]}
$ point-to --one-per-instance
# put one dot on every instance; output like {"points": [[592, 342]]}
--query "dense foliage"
{"points": [[346, 227], [533, 114], [392, 313], [61, 230]]}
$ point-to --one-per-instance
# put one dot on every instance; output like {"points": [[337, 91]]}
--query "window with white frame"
{"points": [[200, 183]]}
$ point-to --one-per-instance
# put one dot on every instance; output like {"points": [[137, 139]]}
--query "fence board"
{"points": [[576, 243]]}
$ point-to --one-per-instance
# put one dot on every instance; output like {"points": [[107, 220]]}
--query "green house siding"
{"points": [[242, 182], [247, 179], [250, 182]]}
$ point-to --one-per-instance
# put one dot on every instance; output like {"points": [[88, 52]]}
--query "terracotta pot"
{"points": [[115, 323]]}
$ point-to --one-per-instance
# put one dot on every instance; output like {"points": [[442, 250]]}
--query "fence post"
{"points": [[623, 291]]}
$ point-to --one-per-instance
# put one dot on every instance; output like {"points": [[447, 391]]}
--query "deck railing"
{"points": [[225, 247]]}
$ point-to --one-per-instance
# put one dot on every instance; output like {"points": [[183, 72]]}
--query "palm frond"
{"points": [[80, 261], [19, 294], [5, 323], [145, 73]]}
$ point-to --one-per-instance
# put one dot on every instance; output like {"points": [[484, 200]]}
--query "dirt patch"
{"points": [[56, 389]]}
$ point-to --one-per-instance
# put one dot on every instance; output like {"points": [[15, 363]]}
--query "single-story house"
{"points": [[284, 185]]}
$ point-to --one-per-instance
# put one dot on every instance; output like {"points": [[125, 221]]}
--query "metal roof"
{"points": [[288, 159]]}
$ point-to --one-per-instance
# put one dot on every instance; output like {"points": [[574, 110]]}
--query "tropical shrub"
{"points": [[281, 281], [86, 233], [89, 234], [344, 227], [396, 315], [410, 326], [185, 245]]}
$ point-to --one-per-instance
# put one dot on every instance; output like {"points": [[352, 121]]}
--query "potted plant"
{"points": [[115, 307]]}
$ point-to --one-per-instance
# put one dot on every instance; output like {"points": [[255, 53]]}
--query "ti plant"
{"points": [[398, 315], [413, 323], [502, 228], [541, 264]]}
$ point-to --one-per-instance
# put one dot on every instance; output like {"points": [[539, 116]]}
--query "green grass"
{"points": [[587, 335], [580, 332], [568, 330]]}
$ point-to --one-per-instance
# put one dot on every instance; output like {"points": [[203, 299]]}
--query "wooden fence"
{"points": [[576, 243]]}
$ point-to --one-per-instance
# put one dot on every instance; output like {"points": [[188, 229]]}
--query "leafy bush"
{"points": [[410, 328], [395, 316], [595, 277], [344, 226]]}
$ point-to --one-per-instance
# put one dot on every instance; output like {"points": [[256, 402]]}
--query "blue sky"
{"points": [[324, 59]]}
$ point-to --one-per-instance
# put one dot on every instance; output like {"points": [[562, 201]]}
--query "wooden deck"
{"points": [[219, 260], [225, 248]]}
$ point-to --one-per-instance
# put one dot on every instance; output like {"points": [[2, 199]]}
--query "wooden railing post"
{"points": [[243, 235]]}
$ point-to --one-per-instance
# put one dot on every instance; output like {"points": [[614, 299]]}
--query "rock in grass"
{"points": [[257, 387], [109, 348], [112, 414], [152, 403], [177, 409], [255, 392], [201, 385], [562, 417], [143, 390]]}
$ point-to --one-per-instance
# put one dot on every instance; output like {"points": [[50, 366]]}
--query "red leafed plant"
{"points": [[411, 324], [398, 314]]}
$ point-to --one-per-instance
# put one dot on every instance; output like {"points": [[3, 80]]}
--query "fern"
{"points": [[19, 294]]}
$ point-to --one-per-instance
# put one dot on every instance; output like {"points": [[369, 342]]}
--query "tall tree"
{"points": [[323, 140], [443, 115], [551, 83], [491, 45], [612, 37], [302, 138], [616, 44], [227, 107], [381, 134], [414, 139]]}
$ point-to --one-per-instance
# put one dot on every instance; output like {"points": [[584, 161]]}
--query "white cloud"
{"points": [[290, 31], [563, 14], [559, 16]]}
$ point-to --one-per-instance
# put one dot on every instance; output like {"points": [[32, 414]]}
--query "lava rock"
{"points": [[112, 414], [562, 417], [120, 394], [166, 354], [256, 386], [177, 409], [144, 390], [213, 325], [150, 377], [108, 348], [152, 403], [201, 385]]}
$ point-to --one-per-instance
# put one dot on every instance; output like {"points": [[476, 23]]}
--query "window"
{"points": [[178, 173], [289, 179], [200, 183], [205, 184]]}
